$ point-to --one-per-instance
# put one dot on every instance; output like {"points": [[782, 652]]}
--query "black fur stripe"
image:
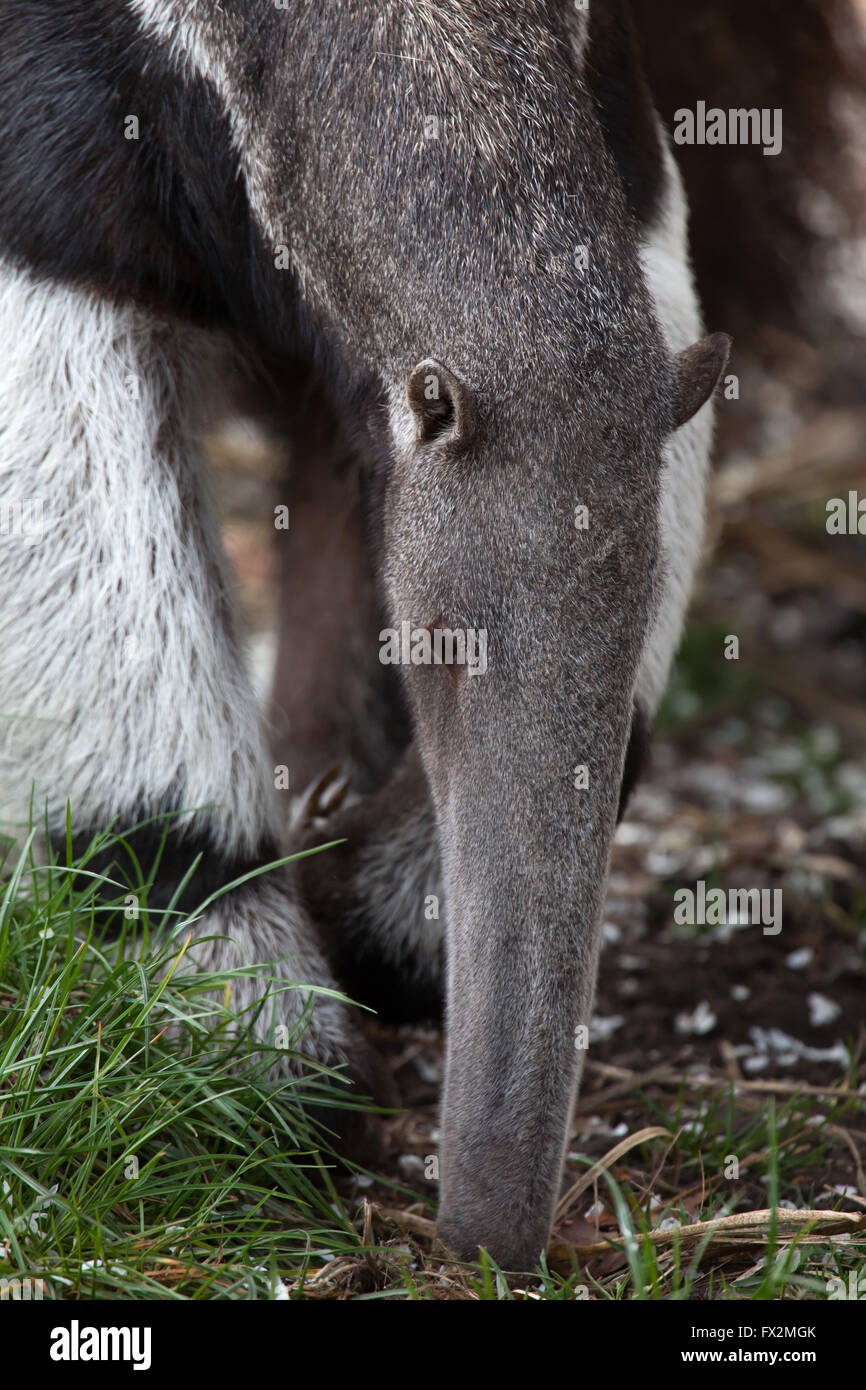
{"points": [[625, 106], [158, 855], [636, 757], [163, 219]]}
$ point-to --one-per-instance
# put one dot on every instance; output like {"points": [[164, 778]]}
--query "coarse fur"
{"points": [[476, 190]]}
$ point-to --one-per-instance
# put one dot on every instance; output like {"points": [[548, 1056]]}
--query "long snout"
{"points": [[525, 828], [524, 761]]}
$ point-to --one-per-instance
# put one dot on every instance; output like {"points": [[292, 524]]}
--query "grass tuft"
{"points": [[145, 1149]]}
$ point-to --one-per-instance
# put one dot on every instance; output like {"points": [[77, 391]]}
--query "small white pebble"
{"points": [[758, 1062], [797, 960], [766, 796], [702, 1020], [822, 1010], [600, 1029], [633, 833], [410, 1163]]}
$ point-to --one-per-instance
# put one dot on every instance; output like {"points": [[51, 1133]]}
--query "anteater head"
{"points": [[528, 521]]}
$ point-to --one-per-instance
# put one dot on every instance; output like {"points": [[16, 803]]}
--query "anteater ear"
{"points": [[696, 374], [442, 405]]}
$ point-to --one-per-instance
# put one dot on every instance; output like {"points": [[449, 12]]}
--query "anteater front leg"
{"points": [[378, 897], [332, 700]]}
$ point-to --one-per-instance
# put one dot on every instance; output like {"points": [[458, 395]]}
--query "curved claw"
{"points": [[322, 798]]}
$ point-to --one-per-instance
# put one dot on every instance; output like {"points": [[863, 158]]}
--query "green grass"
{"points": [[144, 1151], [147, 1152]]}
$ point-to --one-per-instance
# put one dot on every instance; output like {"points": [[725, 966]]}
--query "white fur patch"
{"points": [[121, 682], [665, 260]]}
